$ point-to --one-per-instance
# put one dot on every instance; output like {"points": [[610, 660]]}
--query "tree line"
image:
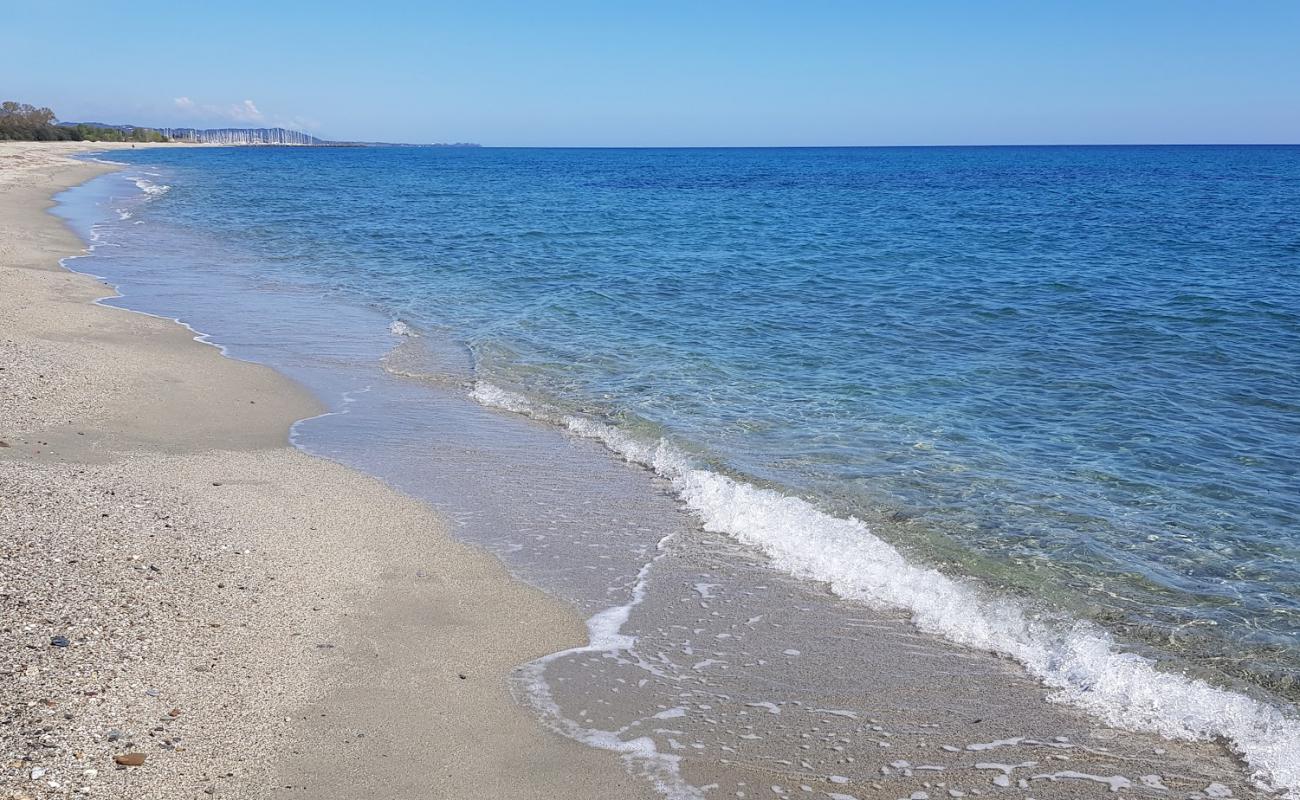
{"points": [[26, 123]]}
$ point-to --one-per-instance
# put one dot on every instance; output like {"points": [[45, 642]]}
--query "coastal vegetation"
{"points": [[93, 132], [25, 122]]}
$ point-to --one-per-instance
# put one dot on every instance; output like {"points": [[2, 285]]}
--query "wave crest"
{"points": [[151, 189], [1079, 660]]}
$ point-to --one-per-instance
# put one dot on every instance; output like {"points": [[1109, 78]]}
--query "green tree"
{"points": [[25, 122]]}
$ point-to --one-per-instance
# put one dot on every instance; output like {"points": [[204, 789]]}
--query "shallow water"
{"points": [[1064, 370], [990, 356]]}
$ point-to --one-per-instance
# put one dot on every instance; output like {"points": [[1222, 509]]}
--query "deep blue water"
{"points": [[1071, 372]]}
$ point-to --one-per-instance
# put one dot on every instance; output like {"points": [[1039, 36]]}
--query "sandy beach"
{"points": [[182, 590]]}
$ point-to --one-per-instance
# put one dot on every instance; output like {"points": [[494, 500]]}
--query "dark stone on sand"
{"points": [[59, 641], [129, 760]]}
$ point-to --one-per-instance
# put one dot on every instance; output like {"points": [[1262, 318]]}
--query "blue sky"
{"points": [[672, 73]]}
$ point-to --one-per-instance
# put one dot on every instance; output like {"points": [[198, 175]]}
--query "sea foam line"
{"points": [[1079, 660], [605, 635], [106, 301]]}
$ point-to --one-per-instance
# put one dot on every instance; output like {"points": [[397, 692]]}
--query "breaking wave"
{"points": [[1079, 660], [153, 190]]}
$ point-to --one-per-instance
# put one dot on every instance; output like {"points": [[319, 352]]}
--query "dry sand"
{"points": [[176, 581]]}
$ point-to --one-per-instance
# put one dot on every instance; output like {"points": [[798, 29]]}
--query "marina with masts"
{"points": [[251, 136]]}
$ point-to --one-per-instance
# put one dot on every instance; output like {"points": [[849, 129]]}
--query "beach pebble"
{"points": [[129, 759], [59, 641]]}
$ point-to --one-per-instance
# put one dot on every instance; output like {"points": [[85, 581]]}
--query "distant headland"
{"points": [[24, 122]]}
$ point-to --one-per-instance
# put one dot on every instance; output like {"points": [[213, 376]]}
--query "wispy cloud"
{"points": [[245, 112]]}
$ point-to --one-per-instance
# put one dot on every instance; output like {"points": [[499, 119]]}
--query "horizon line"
{"points": [[1044, 145], [827, 146]]}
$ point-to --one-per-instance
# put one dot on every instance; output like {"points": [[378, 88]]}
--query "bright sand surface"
{"points": [[177, 581]]}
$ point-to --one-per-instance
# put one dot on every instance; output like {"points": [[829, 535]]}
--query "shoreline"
{"points": [[181, 582], [366, 695]]}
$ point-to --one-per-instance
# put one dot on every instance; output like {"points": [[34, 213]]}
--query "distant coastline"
{"points": [[25, 122], [276, 136]]}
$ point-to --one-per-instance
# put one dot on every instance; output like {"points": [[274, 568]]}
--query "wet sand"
{"points": [[726, 673], [180, 584]]}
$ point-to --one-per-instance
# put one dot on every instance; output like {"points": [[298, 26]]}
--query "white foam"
{"points": [[66, 263], [1079, 660], [344, 407], [399, 328], [771, 708], [604, 635], [705, 590], [1061, 743], [1115, 782], [151, 189], [834, 712], [495, 397]]}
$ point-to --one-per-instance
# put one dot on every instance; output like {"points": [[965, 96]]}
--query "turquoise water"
{"points": [[1068, 372]]}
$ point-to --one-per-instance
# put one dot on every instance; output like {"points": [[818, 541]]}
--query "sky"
{"points": [[702, 73]]}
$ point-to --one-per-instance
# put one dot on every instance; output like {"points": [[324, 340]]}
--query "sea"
{"points": [[783, 422]]}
